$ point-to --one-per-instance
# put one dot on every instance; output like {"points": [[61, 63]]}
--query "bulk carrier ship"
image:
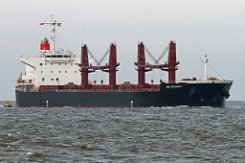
{"points": [[58, 78]]}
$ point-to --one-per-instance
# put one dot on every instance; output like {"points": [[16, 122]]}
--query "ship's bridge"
{"points": [[59, 56]]}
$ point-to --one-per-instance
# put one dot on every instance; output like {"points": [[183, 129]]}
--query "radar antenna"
{"points": [[53, 23]]}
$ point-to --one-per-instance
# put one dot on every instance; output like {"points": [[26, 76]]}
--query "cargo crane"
{"points": [[170, 66], [111, 68]]}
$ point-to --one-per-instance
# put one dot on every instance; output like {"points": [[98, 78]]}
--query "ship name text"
{"points": [[173, 86]]}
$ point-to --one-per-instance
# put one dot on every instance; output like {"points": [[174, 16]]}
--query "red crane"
{"points": [[110, 68], [143, 67]]}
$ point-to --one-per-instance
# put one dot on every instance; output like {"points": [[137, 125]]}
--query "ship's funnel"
{"points": [[44, 45]]}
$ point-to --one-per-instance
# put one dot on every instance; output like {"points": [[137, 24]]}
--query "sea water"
{"points": [[164, 134]]}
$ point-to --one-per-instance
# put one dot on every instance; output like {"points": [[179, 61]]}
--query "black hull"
{"points": [[190, 94]]}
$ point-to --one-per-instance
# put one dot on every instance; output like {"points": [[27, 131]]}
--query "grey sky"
{"points": [[213, 27]]}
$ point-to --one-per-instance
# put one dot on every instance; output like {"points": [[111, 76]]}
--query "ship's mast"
{"points": [[205, 61], [53, 23]]}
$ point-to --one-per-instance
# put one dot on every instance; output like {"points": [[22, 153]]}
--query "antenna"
{"points": [[53, 23]]}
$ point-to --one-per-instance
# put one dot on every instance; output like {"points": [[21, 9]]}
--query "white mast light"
{"points": [[205, 61]]}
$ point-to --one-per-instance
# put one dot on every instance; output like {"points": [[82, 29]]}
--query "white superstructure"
{"points": [[46, 71], [52, 67]]}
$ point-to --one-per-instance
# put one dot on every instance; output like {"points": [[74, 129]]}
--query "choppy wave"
{"points": [[161, 134]]}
